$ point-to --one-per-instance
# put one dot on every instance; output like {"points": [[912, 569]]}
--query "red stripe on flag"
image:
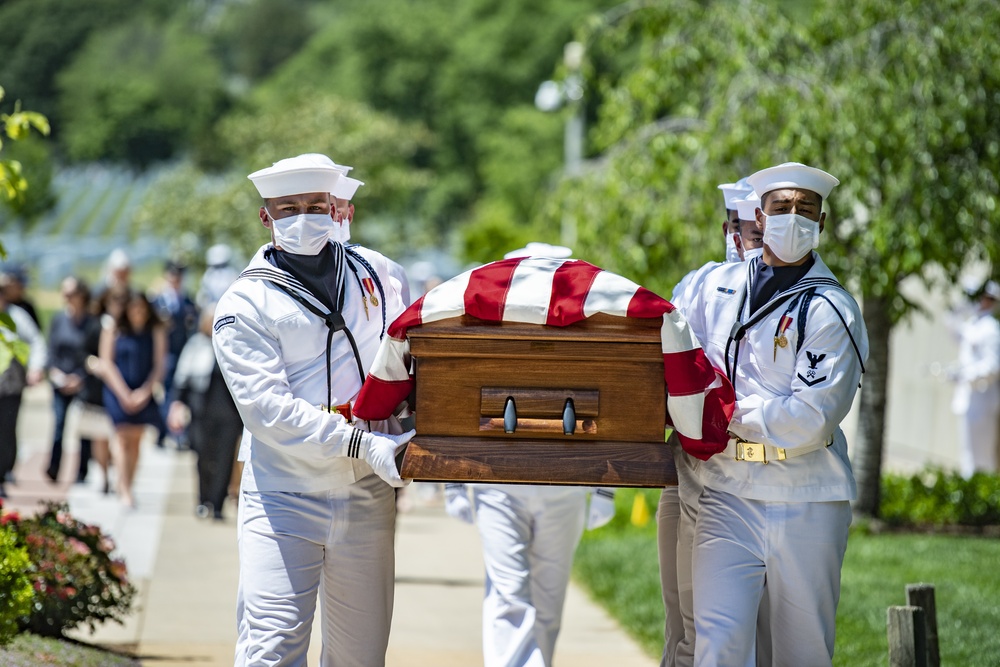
{"points": [[688, 372], [717, 412], [378, 398], [486, 294], [570, 285], [648, 304], [411, 317]]}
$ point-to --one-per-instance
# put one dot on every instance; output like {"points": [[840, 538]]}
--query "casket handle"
{"points": [[509, 415], [569, 417]]}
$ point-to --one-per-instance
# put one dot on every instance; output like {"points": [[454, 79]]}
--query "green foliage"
{"points": [[15, 585], [35, 160], [938, 498], [519, 154], [253, 38], [274, 127], [454, 66], [877, 569], [618, 564], [222, 206], [76, 580], [38, 38], [17, 125], [899, 100], [139, 92]]}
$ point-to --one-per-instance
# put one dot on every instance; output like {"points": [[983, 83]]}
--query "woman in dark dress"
{"points": [[132, 357]]}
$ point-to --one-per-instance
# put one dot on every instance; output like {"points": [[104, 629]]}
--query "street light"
{"points": [[551, 95]]}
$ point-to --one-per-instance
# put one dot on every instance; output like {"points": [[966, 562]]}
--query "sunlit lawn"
{"points": [[618, 564]]}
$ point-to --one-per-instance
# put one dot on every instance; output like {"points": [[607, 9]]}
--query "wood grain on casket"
{"points": [[598, 463]]}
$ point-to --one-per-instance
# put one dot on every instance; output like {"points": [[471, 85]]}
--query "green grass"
{"points": [[28, 650], [618, 565]]}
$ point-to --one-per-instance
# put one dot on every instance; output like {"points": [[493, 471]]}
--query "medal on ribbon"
{"points": [[780, 340], [369, 285]]}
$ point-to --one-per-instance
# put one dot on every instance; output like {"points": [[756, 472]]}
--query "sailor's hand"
{"points": [[456, 502], [379, 451]]}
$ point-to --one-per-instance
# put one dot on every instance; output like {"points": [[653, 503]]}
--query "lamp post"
{"points": [[551, 96]]}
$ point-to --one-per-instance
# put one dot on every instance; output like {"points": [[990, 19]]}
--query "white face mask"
{"points": [[341, 231], [790, 236], [750, 254], [732, 254], [302, 234]]}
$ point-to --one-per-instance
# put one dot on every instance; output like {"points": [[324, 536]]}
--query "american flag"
{"points": [[559, 292]]}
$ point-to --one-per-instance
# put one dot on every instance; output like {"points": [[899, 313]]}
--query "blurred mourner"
{"points": [[977, 382]]}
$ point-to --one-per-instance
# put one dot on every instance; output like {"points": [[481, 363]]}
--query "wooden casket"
{"points": [[506, 402]]}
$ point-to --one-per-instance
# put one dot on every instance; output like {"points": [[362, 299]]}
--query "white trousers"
{"points": [[529, 534], [295, 547], [978, 436], [668, 514], [798, 548]]}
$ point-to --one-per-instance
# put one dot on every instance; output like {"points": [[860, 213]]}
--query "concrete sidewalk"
{"points": [[186, 570]]}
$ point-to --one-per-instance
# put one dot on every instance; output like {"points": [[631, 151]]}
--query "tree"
{"points": [[219, 204], [900, 101], [914, 119], [456, 67], [139, 92], [38, 38]]}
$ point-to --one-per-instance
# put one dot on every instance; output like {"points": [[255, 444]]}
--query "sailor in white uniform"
{"points": [[678, 623], [294, 339], [776, 503], [529, 534], [678, 508], [977, 384]]}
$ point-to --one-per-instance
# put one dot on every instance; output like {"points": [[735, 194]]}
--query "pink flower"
{"points": [[79, 547]]}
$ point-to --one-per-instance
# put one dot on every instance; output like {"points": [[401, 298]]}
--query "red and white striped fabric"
{"points": [[558, 292]]}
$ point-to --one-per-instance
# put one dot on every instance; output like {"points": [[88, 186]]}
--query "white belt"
{"points": [[742, 450]]}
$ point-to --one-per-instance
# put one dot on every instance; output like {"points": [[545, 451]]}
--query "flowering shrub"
{"points": [[75, 579], [15, 584]]}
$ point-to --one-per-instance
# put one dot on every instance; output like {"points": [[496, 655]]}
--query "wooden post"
{"points": [[907, 637], [922, 595]]}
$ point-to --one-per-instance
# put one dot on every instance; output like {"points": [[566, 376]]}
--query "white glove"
{"points": [[456, 502], [602, 508], [379, 451]]}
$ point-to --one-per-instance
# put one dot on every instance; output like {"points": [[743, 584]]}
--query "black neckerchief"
{"points": [[322, 274], [770, 280]]}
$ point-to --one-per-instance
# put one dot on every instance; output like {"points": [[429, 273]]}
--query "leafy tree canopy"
{"points": [[38, 38], [139, 91]]}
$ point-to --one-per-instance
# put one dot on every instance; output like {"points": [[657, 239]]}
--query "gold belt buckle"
{"points": [[750, 451]]}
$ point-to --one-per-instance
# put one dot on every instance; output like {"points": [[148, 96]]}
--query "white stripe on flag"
{"points": [[611, 294], [676, 334], [446, 300], [531, 290], [392, 360], [687, 413]]}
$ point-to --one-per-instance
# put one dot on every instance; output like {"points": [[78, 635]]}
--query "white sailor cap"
{"points": [[218, 255], [296, 175], [733, 192], [535, 249], [346, 187], [325, 160], [747, 207], [792, 175]]}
